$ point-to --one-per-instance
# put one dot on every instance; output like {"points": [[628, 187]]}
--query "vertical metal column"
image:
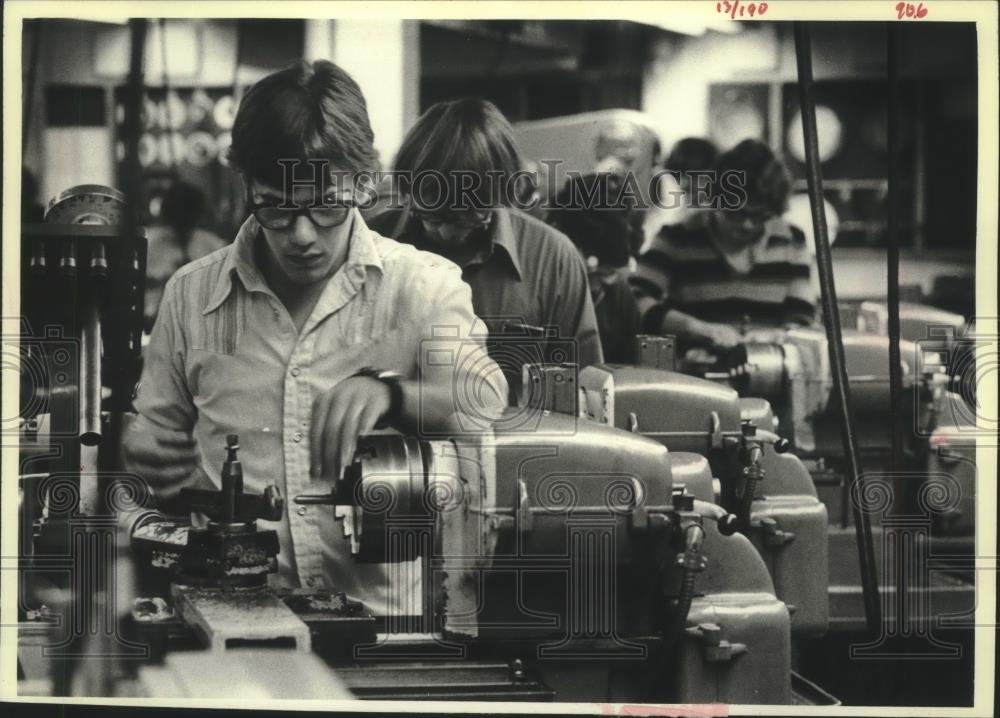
{"points": [[831, 318], [892, 278], [893, 536]]}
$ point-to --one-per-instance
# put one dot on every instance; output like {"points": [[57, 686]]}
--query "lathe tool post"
{"points": [[232, 481]]}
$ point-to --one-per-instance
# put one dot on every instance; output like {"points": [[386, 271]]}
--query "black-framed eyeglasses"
{"points": [[277, 215], [467, 220]]}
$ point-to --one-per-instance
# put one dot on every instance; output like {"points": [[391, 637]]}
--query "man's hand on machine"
{"points": [[718, 335], [698, 332], [766, 335], [339, 417]]}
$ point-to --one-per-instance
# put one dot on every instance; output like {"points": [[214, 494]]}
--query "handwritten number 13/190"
{"points": [[734, 7], [906, 9]]}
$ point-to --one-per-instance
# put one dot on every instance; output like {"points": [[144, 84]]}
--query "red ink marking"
{"points": [[909, 10], [734, 7]]}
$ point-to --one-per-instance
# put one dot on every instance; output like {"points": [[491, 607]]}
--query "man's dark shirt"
{"points": [[527, 274], [617, 314]]}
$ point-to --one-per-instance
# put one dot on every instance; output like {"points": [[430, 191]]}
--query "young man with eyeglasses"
{"points": [[306, 332], [736, 264], [458, 169]]}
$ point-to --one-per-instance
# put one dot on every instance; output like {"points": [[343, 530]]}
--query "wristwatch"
{"points": [[391, 379]]}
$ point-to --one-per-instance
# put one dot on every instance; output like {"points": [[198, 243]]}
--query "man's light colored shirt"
{"points": [[226, 358]]}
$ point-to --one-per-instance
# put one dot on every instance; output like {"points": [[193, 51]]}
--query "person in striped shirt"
{"points": [[735, 264]]}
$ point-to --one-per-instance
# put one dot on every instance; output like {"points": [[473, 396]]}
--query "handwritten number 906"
{"points": [[906, 9]]}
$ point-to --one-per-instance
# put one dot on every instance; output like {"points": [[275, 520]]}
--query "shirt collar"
{"points": [[242, 262], [500, 234]]}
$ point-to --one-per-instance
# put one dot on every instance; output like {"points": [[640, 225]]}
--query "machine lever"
{"points": [[726, 522]]}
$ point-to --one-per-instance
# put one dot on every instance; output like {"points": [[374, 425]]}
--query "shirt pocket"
{"points": [[394, 350], [220, 331]]}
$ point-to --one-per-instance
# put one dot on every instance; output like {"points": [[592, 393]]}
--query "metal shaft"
{"points": [[838, 364], [315, 500], [90, 375]]}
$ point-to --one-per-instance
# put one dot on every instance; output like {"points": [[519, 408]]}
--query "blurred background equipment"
{"points": [[174, 240], [81, 275]]}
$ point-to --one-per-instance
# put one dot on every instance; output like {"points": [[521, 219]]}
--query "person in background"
{"points": [[305, 333], [617, 149], [527, 279], [618, 146], [601, 232], [678, 187], [174, 241], [736, 265]]}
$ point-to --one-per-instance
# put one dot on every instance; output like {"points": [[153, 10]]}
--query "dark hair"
{"points": [[767, 182], [469, 136], [599, 228], [691, 154], [308, 111], [182, 206]]}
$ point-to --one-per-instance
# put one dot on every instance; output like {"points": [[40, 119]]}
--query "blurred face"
{"points": [[307, 235], [741, 228], [452, 230], [687, 186], [620, 140]]}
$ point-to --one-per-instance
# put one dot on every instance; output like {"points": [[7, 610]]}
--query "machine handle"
{"points": [[726, 522]]}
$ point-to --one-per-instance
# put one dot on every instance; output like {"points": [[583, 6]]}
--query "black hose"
{"points": [[753, 475], [693, 538], [684, 603], [672, 633], [892, 263], [831, 317]]}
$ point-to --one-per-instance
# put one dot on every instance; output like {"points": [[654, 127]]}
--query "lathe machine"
{"points": [[649, 551]]}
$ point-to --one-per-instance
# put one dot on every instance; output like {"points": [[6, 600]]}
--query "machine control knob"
{"points": [[728, 524], [782, 445]]}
